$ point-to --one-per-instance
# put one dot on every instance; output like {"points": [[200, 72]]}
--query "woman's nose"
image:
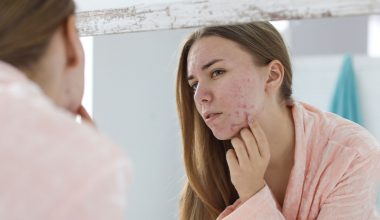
{"points": [[202, 94]]}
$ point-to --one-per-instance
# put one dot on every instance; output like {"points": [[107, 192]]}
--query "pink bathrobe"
{"points": [[335, 174], [52, 168]]}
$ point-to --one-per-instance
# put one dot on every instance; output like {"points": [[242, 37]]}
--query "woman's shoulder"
{"points": [[31, 122], [43, 147], [352, 135], [340, 132], [337, 149]]}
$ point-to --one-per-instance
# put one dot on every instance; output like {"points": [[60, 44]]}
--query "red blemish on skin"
{"points": [[246, 115], [234, 127], [249, 117]]}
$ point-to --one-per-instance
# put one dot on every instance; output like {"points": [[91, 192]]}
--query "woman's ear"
{"points": [[275, 76], [74, 50]]}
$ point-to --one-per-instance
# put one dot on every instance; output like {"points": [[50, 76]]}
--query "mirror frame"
{"points": [[192, 13]]}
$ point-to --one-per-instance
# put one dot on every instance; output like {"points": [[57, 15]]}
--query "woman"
{"points": [[250, 151], [51, 167]]}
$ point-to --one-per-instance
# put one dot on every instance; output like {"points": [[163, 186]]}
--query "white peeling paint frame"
{"points": [[186, 14]]}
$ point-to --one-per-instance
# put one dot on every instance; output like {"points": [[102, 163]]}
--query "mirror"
{"points": [[133, 74], [134, 95]]}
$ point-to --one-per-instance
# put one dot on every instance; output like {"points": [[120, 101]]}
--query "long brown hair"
{"points": [[208, 189], [26, 27]]}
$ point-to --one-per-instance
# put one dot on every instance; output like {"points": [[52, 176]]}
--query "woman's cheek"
{"points": [[242, 116]]}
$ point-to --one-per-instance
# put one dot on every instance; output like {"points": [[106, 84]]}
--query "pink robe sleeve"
{"points": [[354, 197], [260, 206], [102, 198]]}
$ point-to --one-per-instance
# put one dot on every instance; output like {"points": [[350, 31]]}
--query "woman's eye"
{"points": [[216, 73], [194, 86]]}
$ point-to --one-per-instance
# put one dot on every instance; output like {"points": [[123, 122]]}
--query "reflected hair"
{"points": [[27, 27], [208, 188]]}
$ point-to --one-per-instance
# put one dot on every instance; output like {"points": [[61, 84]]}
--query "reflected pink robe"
{"points": [[335, 173], [52, 168]]}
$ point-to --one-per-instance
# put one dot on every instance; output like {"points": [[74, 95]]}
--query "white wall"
{"points": [[315, 77], [134, 102], [329, 36]]}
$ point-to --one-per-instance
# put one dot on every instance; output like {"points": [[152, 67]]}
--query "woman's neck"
{"points": [[278, 125]]}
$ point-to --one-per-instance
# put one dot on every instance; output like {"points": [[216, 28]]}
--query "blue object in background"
{"points": [[345, 100]]}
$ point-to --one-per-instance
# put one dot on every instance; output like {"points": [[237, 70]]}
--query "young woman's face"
{"points": [[229, 89]]}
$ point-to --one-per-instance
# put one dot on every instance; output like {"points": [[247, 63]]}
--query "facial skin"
{"points": [[229, 88], [60, 71]]}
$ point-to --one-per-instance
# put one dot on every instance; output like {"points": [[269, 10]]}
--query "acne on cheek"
{"points": [[244, 110], [243, 106], [241, 118], [235, 128], [239, 89], [245, 118]]}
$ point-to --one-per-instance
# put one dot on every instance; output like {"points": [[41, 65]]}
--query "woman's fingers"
{"points": [[236, 204], [250, 143], [82, 112], [261, 140], [241, 151], [232, 160], [248, 161], [229, 210]]}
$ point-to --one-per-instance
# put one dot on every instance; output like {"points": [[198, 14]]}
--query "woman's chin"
{"points": [[227, 134], [223, 136]]}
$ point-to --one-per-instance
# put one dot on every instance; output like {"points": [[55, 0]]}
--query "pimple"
{"points": [[234, 127], [242, 106]]}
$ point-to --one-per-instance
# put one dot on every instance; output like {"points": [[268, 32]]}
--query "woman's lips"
{"points": [[212, 117]]}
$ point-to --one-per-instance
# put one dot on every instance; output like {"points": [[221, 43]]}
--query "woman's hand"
{"points": [[85, 117], [229, 210], [248, 161]]}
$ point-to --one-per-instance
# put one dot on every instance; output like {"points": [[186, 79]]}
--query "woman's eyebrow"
{"points": [[207, 65]]}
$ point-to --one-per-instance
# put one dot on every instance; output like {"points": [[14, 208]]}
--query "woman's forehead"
{"points": [[212, 44], [208, 49]]}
